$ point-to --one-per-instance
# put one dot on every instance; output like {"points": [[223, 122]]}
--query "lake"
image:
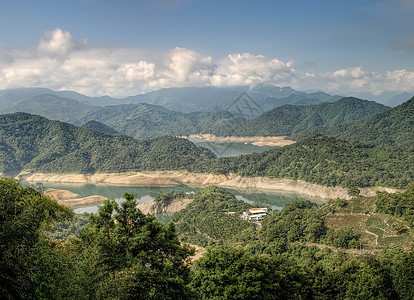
{"points": [[230, 149], [274, 199]]}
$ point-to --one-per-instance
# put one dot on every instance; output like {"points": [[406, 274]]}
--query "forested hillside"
{"points": [[95, 125], [124, 254], [52, 107], [34, 143], [147, 121], [391, 127], [142, 120], [205, 220], [294, 119], [326, 161]]}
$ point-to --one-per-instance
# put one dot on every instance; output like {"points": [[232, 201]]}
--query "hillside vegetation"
{"points": [[147, 121], [205, 221], [37, 144], [95, 125], [293, 119], [124, 254], [324, 160], [391, 127], [34, 143]]}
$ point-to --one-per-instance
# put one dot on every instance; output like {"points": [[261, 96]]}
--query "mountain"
{"points": [[147, 121], [323, 160], [53, 107], [11, 97], [398, 99], [34, 143], [186, 100], [193, 99], [391, 127], [95, 125], [291, 119]]}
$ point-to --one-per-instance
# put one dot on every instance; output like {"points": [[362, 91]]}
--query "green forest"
{"points": [[324, 160], [120, 253], [33, 143]]}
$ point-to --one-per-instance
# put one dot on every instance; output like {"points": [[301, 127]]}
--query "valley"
{"points": [[272, 141], [337, 181]]}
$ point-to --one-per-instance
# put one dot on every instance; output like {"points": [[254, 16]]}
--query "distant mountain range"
{"points": [[186, 100], [348, 118]]}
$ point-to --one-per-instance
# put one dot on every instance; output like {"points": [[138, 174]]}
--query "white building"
{"points": [[255, 214]]}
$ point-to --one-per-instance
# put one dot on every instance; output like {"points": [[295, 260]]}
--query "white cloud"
{"points": [[188, 65], [57, 43], [248, 69], [61, 62]]}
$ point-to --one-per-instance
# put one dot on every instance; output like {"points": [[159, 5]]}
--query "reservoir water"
{"points": [[274, 199], [230, 149]]}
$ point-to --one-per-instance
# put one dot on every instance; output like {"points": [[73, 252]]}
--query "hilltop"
{"points": [[390, 127], [324, 160], [31, 142], [292, 119], [34, 143], [186, 99]]}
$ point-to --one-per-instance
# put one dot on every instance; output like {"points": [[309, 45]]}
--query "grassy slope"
{"points": [[376, 230]]}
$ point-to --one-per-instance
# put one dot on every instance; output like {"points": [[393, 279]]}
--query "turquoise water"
{"points": [[274, 199], [230, 149]]}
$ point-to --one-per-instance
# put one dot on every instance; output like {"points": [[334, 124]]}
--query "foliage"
{"points": [[391, 127], [69, 228], [171, 196], [324, 160], [134, 256], [298, 221], [398, 204], [308, 119], [354, 191], [95, 125], [124, 254], [35, 143], [205, 220], [234, 274], [342, 237], [27, 263]]}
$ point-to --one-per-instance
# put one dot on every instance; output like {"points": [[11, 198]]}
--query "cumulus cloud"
{"points": [[61, 62], [248, 69], [56, 43]]}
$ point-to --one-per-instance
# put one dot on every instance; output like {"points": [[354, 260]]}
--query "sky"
{"points": [[127, 47]]}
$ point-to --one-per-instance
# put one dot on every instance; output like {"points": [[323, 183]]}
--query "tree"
{"points": [[135, 256], [30, 266], [234, 274]]}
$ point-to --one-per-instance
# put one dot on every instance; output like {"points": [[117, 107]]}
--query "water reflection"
{"points": [[273, 199]]}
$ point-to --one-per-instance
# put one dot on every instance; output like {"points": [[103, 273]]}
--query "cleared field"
{"points": [[375, 230]]}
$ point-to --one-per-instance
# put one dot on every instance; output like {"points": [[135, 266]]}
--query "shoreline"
{"points": [[174, 178], [276, 141]]}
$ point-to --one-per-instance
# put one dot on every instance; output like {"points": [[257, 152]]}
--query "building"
{"points": [[255, 214]]}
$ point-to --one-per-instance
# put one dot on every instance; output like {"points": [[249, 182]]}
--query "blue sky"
{"points": [[124, 47]]}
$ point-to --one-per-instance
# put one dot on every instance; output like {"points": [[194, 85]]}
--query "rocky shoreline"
{"points": [[71, 199], [173, 178], [279, 141]]}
